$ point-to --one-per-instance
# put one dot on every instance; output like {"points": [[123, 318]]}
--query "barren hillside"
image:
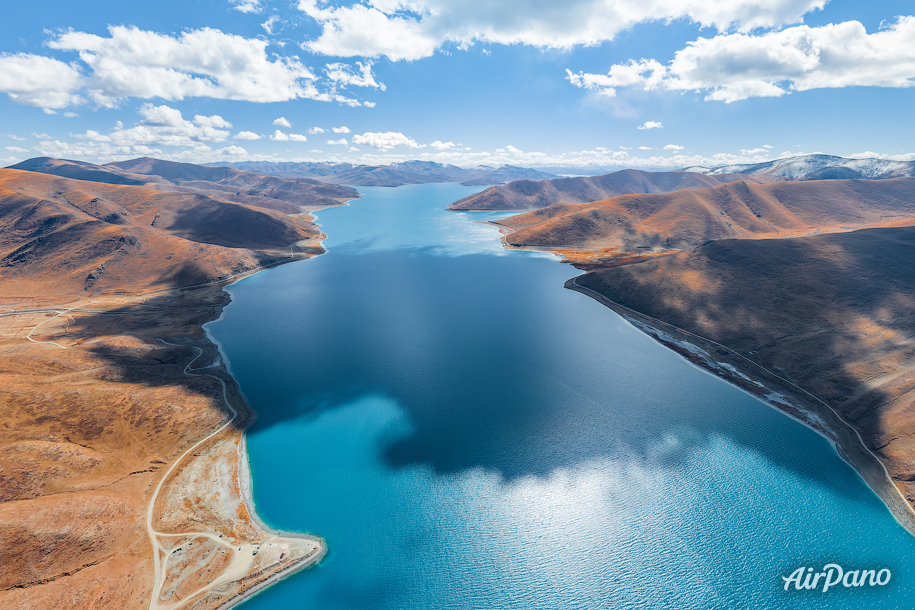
{"points": [[684, 219], [531, 195], [120, 429]]}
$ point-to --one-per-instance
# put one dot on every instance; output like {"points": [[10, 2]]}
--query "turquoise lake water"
{"points": [[467, 434]]}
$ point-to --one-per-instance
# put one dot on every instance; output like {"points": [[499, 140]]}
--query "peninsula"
{"points": [[122, 448], [819, 325]]}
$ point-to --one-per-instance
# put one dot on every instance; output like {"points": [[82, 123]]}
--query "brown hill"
{"points": [[120, 432], [683, 219], [288, 195], [531, 195], [76, 237], [833, 314]]}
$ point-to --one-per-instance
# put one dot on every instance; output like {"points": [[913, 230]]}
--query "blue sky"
{"points": [[583, 83]]}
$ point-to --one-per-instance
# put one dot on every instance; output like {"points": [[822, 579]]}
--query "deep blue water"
{"points": [[465, 433]]}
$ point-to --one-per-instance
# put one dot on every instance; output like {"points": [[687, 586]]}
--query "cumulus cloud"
{"points": [[442, 145], [247, 135], [214, 121], [673, 147], [41, 136], [282, 122], [341, 129], [164, 126], [737, 66], [413, 29], [15, 137], [651, 125], [17, 149], [159, 126], [315, 130], [39, 81], [343, 75], [93, 135], [755, 151], [232, 151], [341, 141], [279, 136], [198, 63], [386, 140]]}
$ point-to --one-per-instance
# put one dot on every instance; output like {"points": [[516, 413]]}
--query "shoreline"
{"points": [[243, 466], [775, 391], [242, 422]]}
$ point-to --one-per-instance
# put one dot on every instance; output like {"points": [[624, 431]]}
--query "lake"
{"points": [[466, 433]]}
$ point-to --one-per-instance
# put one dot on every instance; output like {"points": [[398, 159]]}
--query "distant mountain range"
{"points": [[396, 174], [531, 195], [816, 167], [288, 195]]}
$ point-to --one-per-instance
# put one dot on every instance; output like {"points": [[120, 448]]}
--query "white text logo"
{"points": [[832, 575]]}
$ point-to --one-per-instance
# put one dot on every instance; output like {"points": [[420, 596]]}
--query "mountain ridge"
{"points": [[396, 174]]}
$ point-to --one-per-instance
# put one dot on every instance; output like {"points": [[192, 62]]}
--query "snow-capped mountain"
{"points": [[816, 167]]}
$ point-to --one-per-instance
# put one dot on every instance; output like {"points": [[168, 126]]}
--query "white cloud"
{"points": [[164, 126], [442, 145], [733, 67], [214, 121], [341, 129], [268, 25], [413, 29], [247, 135], [353, 149], [70, 115], [386, 140], [39, 81], [17, 149], [315, 130], [645, 148], [279, 136], [343, 75], [49, 111], [197, 63], [651, 125], [41, 136], [341, 141], [755, 151], [282, 122], [247, 6], [673, 147], [93, 135], [232, 151], [159, 126]]}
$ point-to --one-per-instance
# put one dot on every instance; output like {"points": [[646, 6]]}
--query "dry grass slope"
{"points": [[103, 291]]}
